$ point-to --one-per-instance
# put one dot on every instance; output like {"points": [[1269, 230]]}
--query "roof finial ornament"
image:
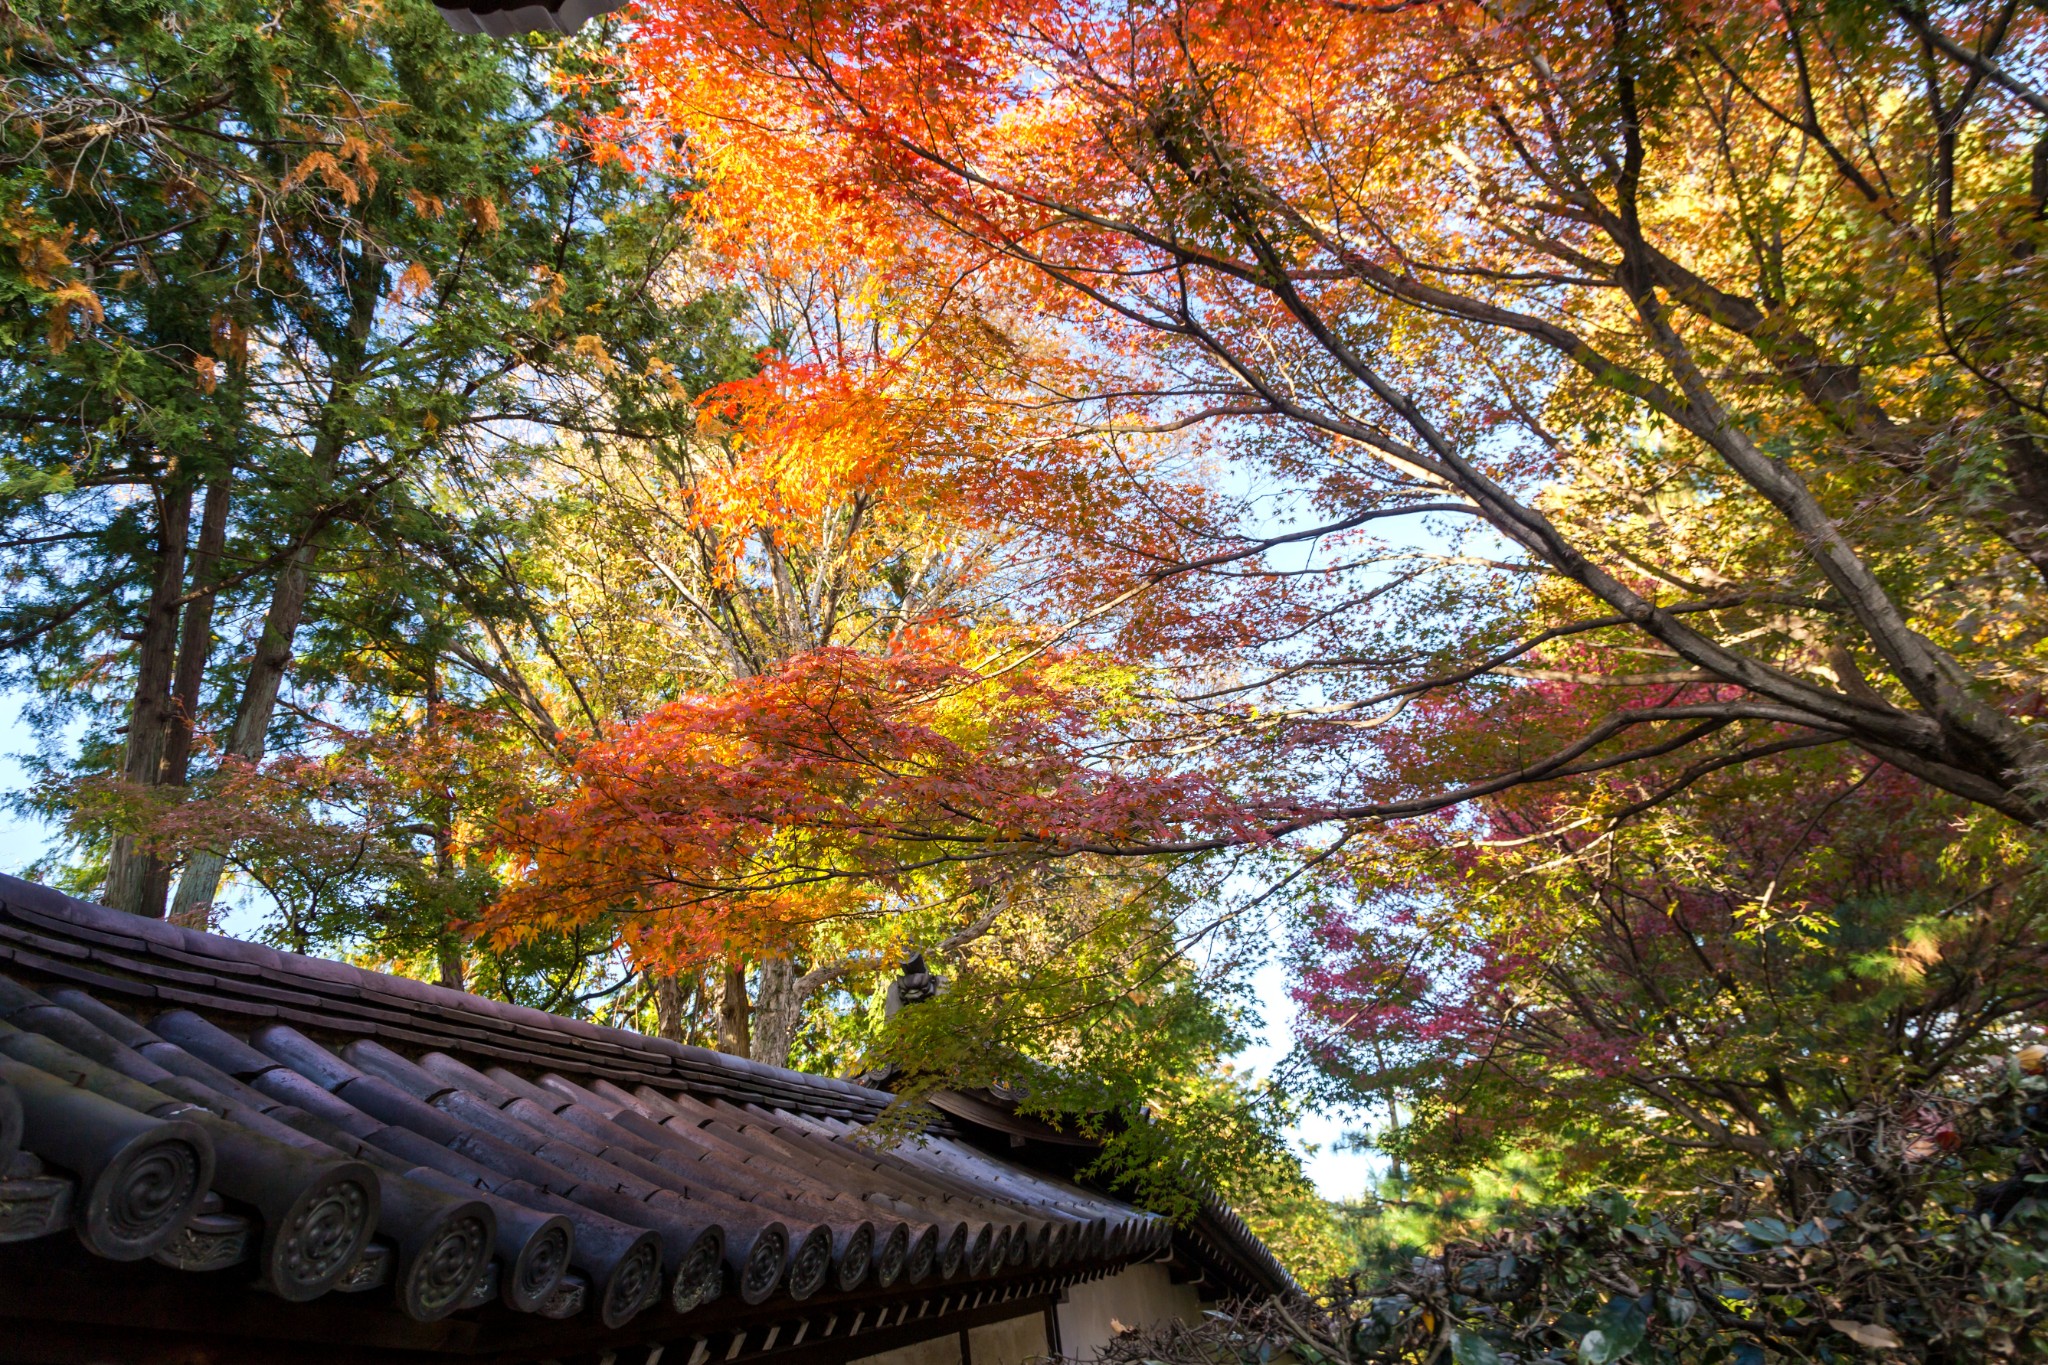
{"points": [[915, 984]]}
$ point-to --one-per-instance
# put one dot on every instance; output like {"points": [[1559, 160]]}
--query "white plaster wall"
{"points": [[1014, 1341], [943, 1350], [1010, 1342], [1136, 1296]]}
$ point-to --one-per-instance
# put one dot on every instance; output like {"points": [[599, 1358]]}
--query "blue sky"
{"points": [[1337, 1174], [20, 840]]}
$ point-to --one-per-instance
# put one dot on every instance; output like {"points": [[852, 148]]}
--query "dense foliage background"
{"points": [[1529, 521]]}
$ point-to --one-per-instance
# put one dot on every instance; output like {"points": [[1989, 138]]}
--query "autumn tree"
{"points": [[1627, 398], [850, 525], [1707, 984], [1711, 330]]}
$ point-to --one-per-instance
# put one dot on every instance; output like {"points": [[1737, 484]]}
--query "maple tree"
{"points": [[741, 818], [1599, 301], [1703, 985], [1372, 267], [779, 626], [1713, 332], [1566, 991], [1693, 355]]}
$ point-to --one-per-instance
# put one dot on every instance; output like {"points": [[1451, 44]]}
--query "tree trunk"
{"points": [[671, 1007], [1393, 1116], [195, 646], [732, 1012], [451, 962], [201, 882], [152, 715], [1394, 1131], [777, 1008], [195, 633]]}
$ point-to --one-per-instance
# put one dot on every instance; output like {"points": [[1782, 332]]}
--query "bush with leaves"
{"points": [[1915, 1232]]}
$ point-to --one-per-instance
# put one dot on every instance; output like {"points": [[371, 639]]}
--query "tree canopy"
{"points": [[1532, 519], [1709, 329]]}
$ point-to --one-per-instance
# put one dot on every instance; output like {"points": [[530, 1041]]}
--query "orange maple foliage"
{"points": [[799, 439], [872, 732], [971, 158], [732, 823], [1413, 260], [1443, 254]]}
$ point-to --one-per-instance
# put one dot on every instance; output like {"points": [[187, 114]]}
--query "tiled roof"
{"points": [[504, 18], [231, 1114]]}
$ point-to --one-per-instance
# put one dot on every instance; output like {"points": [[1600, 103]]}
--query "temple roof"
{"points": [[504, 18], [262, 1147]]}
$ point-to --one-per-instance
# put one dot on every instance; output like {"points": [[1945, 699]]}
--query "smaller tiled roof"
{"points": [[1215, 1248], [503, 20], [209, 1106]]}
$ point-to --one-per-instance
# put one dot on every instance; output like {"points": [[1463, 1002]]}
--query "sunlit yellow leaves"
{"points": [[799, 441], [591, 350], [70, 304], [414, 282], [327, 168], [548, 302]]}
